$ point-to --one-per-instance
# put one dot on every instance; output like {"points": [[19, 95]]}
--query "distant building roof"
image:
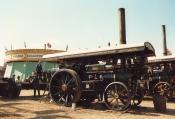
{"points": [[27, 54]]}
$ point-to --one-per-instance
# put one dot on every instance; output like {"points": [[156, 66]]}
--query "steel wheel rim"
{"points": [[64, 88], [116, 97], [162, 88]]}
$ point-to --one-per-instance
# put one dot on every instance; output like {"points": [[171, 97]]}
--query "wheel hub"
{"points": [[116, 96], [64, 87]]}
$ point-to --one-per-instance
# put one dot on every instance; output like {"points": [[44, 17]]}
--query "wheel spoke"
{"points": [[62, 98], [112, 100], [116, 103], [109, 95], [62, 81], [112, 93], [72, 96], [69, 81], [66, 78], [66, 100], [57, 93]]}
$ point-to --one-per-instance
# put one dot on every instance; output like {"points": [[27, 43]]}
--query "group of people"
{"points": [[15, 86], [36, 75]]}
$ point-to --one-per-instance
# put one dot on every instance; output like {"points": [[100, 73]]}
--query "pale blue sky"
{"points": [[83, 23]]}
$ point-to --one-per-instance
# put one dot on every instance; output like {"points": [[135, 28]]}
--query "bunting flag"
{"points": [[49, 45], [67, 47], [6, 49], [109, 44], [25, 45], [11, 47], [44, 46]]}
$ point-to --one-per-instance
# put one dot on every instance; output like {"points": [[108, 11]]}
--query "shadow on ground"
{"points": [[138, 110], [13, 108], [51, 114], [150, 111], [15, 104], [20, 98]]}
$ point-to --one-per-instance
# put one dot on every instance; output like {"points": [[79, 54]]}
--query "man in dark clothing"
{"points": [[19, 86], [39, 69], [37, 77], [12, 87], [36, 85]]}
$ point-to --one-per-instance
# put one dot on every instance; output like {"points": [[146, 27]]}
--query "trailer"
{"points": [[116, 74], [9, 88]]}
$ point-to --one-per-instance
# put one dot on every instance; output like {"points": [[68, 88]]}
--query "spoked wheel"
{"points": [[138, 97], [65, 87], [162, 88], [116, 96]]}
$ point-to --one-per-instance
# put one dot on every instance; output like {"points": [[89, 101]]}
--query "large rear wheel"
{"points": [[65, 87]]}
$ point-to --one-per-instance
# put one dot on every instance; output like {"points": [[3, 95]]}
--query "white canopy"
{"points": [[100, 51], [161, 58]]}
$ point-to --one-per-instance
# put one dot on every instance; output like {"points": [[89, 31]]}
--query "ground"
{"points": [[28, 107]]}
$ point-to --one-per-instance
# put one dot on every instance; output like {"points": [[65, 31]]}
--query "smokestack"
{"points": [[122, 28], [164, 40]]}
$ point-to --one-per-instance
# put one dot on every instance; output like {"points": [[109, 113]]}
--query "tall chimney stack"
{"points": [[122, 27], [164, 40]]}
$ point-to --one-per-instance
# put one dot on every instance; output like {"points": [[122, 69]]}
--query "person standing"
{"points": [[37, 76], [39, 69], [35, 84], [19, 86], [12, 87]]}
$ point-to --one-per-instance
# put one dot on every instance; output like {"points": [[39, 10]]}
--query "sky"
{"points": [[83, 24]]}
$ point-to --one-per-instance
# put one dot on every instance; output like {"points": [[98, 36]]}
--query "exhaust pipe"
{"points": [[122, 26], [164, 41]]}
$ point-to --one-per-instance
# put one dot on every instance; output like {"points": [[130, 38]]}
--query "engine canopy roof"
{"points": [[145, 49], [168, 58]]}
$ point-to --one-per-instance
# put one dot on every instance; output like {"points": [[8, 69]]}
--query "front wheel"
{"points": [[116, 96]]}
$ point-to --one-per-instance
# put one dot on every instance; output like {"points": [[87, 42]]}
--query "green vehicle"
{"points": [[116, 74]]}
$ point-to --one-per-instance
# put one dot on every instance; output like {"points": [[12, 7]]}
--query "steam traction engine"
{"points": [[163, 75], [116, 74]]}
